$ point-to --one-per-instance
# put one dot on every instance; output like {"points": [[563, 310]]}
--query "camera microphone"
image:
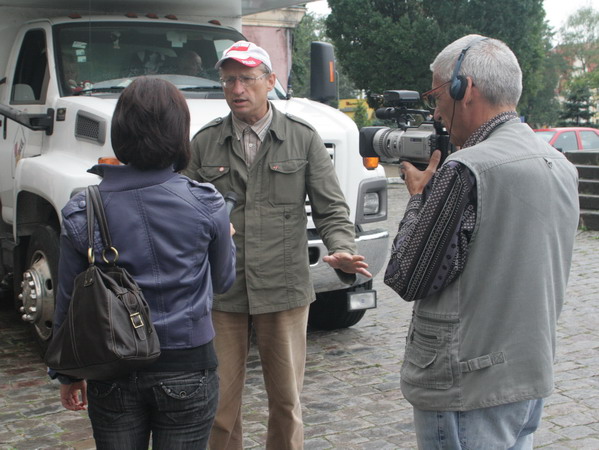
{"points": [[230, 201], [386, 113]]}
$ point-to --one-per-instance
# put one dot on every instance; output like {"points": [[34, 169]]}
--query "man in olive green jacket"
{"points": [[271, 161]]}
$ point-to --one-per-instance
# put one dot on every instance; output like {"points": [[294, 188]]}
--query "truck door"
{"points": [[27, 92]]}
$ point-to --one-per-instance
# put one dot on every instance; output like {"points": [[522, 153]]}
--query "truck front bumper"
{"points": [[372, 244]]}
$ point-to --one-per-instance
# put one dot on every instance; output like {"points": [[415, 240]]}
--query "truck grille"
{"points": [[331, 149]]}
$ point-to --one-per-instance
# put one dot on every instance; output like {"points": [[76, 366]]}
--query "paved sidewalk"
{"points": [[351, 397]]}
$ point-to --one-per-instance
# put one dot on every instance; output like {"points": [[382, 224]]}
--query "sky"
{"points": [[556, 11]]}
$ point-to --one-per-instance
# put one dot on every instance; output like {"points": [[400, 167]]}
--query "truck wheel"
{"points": [[329, 311], [38, 288]]}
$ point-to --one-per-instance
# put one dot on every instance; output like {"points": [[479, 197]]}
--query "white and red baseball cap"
{"points": [[247, 53]]}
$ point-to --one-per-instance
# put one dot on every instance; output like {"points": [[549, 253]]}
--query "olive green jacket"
{"points": [[273, 272]]}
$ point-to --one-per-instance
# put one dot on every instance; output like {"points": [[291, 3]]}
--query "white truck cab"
{"points": [[62, 69]]}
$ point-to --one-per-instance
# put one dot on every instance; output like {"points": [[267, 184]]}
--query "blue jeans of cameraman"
{"points": [[510, 426], [176, 408]]}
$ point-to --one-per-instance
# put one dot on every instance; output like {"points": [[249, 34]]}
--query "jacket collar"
{"points": [[277, 126], [118, 178]]}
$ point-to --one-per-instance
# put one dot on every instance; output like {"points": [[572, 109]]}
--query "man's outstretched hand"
{"points": [[348, 263]]}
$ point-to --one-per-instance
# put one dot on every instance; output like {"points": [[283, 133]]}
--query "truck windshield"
{"points": [[105, 57]]}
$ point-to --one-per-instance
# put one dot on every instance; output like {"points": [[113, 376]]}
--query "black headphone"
{"points": [[459, 83]]}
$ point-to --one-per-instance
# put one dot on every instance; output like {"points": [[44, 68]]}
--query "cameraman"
{"points": [[484, 251]]}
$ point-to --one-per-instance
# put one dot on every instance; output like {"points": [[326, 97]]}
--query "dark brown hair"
{"points": [[150, 126]]}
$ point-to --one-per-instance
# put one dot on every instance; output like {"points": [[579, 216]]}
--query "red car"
{"points": [[570, 138]]}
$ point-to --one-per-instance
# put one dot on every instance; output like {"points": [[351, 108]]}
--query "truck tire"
{"points": [[38, 288], [329, 311]]}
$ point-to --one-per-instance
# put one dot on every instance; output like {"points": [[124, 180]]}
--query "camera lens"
{"points": [[387, 143]]}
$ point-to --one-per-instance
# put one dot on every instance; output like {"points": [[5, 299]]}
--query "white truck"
{"points": [[63, 64]]}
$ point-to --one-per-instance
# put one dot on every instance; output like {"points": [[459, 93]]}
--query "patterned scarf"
{"points": [[485, 129]]}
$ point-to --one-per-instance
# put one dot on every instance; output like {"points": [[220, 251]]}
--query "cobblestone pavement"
{"points": [[351, 397]]}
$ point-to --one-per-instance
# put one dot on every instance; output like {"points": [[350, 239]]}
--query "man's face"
{"points": [[248, 101], [191, 65]]}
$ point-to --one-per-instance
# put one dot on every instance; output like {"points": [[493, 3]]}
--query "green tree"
{"points": [[576, 109], [347, 89], [593, 80], [306, 32], [379, 46], [580, 39], [579, 45], [544, 109], [389, 44], [361, 115], [521, 25]]}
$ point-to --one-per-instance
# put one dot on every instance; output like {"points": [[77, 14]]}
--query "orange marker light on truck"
{"points": [[109, 160], [370, 163]]}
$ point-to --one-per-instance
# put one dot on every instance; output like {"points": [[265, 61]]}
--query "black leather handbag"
{"points": [[108, 331]]}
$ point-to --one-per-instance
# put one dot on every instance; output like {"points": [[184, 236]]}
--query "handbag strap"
{"points": [[96, 208], [90, 227]]}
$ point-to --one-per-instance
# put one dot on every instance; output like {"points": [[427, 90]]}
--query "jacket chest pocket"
{"points": [[288, 182], [217, 175]]}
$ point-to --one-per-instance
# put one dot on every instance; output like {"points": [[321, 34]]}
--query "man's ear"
{"points": [[469, 94], [271, 81]]}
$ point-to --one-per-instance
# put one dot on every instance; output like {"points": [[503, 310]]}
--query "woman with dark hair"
{"points": [[174, 237]]}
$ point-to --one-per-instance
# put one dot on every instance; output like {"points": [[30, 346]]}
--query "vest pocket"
{"points": [[428, 360]]}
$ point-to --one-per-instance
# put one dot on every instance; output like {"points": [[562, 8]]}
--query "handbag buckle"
{"points": [[136, 320]]}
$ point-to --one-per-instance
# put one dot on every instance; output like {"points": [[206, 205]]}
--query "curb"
{"points": [[395, 180]]}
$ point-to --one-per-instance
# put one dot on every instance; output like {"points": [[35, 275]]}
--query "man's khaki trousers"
{"points": [[281, 339]]}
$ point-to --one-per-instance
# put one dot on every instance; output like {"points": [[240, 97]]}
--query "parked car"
{"points": [[571, 138]]}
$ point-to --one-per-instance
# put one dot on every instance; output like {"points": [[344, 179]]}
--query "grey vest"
{"points": [[489, 337]]}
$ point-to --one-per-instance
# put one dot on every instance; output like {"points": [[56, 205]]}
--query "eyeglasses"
{"points": [[229, 82], [429, 98]]}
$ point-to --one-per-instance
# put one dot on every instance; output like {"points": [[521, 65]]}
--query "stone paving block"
{"points": [[576, 432], [378, 445], [585, 444], [546, 438], [343, 441], [317, 444], [87, 444]]}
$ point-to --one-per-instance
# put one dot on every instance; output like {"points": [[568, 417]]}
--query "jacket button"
{"points": [[82, 204]]}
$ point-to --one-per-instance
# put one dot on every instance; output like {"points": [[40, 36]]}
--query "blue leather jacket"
{"points": [[172, 235]]}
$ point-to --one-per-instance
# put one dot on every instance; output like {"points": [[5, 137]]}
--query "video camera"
{"points": [[414, 144]]}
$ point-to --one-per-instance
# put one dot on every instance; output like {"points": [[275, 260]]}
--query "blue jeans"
{"points": [[176, 408], [509, 426]]}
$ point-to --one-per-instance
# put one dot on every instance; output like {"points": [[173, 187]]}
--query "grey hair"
{"points": [[265, 69], [490, 63]]}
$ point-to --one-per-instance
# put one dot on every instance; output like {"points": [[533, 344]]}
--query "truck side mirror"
{"points": [[323, 75]]}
